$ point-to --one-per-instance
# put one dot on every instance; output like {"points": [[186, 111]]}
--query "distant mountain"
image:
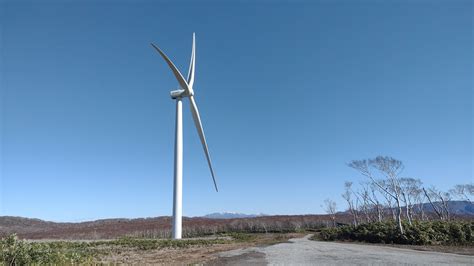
{"points": [[464, 207], [231, 215], [455, 207]]}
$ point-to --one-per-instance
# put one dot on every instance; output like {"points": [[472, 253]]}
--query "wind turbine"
{"points": [[185, 91]]}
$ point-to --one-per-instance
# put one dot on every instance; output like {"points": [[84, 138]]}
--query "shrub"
{"points": [[419, 233], [14, 251]]}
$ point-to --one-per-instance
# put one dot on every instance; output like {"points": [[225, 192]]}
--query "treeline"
{"points": [[159, 227], [264, 224], [387, 195]]}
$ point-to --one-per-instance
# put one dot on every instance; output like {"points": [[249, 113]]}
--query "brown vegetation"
{"points": [[159, 227]]}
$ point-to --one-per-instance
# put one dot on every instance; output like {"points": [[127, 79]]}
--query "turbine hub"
{"points": [[177, 94]]}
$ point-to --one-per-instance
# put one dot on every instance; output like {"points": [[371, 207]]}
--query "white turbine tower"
{"points": [[186, 90]]}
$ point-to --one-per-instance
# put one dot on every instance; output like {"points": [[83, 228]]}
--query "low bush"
{"points": [[419, 233], [242, 237], [14, 251], [148, 244]]}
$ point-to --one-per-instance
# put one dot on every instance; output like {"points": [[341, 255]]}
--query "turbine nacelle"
{"points": [[178, 94]]}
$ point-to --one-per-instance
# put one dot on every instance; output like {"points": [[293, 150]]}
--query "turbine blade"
{"points": [[182, 82], [192, 64], [197, 122]]}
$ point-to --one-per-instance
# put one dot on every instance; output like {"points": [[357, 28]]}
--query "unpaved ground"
{"points": [[460, 250], [302, 251], [190, 255]]}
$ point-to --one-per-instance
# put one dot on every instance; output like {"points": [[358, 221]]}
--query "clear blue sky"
{"points": [[288, 93]]}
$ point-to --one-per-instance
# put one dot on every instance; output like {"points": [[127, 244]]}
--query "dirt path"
{"points": [[302, 251]]}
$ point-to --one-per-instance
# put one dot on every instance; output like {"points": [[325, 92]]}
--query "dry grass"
{"points": [[130, 250], [159, 227], [461, 250], [192, 254]]}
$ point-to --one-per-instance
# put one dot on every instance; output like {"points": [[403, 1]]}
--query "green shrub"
{"points": [[14, 251], [243, 237], [148, 244], [419, 233]]}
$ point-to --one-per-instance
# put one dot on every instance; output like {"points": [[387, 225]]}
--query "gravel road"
{"points": [[302, 251]]}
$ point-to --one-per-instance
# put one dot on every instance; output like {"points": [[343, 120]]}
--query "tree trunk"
{"points": [[407, 209], [435, 208], [379, 213], [399, 217], [445, 207]]}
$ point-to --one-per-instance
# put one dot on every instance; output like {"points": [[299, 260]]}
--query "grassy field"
{"points": [[14, 251]]}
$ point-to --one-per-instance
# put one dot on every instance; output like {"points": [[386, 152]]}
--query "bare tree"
{"points": [[378, 204], [445, 198], [439, 202], [435, 207], [347, 195], [463, 191], [389, 199], [371, 201], [409, 187], [371, 206], [420, 199], [390, 168], [330, 208], [365, 206]]}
